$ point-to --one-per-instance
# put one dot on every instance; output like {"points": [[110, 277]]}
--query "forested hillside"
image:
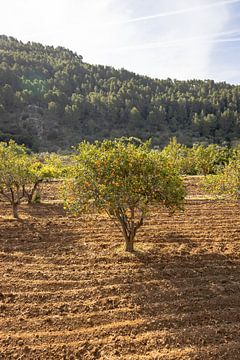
{"points": [[50, 99]]}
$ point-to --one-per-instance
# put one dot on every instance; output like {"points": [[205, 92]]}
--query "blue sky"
{"points": [[182, 39]]}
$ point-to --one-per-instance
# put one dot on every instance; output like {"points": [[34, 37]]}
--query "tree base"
{"points": [[15, 211], [129, 246]]}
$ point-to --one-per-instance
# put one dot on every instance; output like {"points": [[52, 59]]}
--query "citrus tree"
{"points": [[14, 173], [226, 183], [180, 157], [42, 168], [122, 177], [209, 159]]}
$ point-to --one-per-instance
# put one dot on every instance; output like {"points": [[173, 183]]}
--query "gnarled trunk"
{"points": [[15, 199], [129, 227], [32, 193]]}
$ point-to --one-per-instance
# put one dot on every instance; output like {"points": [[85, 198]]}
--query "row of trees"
{"points": [[83, 101], [121, 177], [198, 159], [220, 166]]}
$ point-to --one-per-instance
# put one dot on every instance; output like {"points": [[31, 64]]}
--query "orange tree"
{"points": [[41, 169], [122, 177], [226, 183], [21, 173], [209, 159], [180, 157], [14, 173]]}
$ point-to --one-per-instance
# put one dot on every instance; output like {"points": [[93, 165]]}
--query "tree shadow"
{"points": [[42, 210], [190, 297], [178, 238], [43, 230]]}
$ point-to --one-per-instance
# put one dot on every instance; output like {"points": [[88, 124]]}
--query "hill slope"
{"points": [[51, 99]]}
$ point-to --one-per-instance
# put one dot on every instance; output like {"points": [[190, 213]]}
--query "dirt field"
{"points": [[68, 290]]}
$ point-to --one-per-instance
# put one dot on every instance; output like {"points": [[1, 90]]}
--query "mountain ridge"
{"points": [[50, 100]]}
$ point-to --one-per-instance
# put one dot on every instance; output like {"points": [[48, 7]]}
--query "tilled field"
{"points": [[69, 291]]}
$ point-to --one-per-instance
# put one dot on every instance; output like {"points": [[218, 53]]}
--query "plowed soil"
{"points": [[69, 291]]}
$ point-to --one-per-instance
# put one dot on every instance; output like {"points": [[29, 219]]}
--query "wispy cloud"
{"points": [[178, 12], [236, 39], [212, 38]]}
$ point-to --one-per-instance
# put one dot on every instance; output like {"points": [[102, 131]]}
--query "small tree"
{"points": [[226, 183], [180, 157], [41, 169], [123, 179], [14, 174], [209, 159]]}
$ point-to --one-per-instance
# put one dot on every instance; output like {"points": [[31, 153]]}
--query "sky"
{"points": [[179, 39]]}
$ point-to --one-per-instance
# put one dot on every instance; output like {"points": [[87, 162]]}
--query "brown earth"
{"points": [[69, 291]]}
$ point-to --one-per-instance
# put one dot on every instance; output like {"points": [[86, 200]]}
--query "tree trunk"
{"points": [[129, 227], [29, 198], [129, 246], [129, 241], [15, 211], [31, 195]]}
